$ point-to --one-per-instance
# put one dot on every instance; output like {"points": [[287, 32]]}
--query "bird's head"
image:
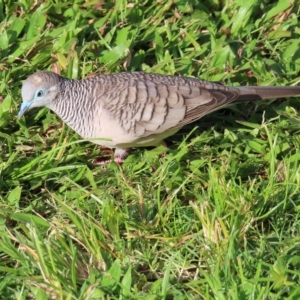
{"points": [[39, 89]]}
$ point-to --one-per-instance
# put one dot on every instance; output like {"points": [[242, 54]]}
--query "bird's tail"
{"points": [[248, 93]]}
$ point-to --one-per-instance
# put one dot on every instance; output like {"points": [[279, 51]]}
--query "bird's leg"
{"points": [[102, 160], [120, 155]]}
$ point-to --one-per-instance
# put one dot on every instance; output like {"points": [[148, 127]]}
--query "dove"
{"points": [[134, 109]]}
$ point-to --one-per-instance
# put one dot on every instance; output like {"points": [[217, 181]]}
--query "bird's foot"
{"points": [[101, 162], [119, 157]]}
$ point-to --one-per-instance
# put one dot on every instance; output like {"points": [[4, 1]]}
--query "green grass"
{"points": [[216, 217]]}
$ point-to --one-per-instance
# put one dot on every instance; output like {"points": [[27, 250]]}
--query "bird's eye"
{"points": [[40, 93]]}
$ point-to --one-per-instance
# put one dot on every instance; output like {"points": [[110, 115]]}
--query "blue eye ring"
{"points": [[40, 93]]}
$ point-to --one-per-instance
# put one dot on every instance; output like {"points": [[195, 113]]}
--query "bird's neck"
{"points": [[73, 106]]}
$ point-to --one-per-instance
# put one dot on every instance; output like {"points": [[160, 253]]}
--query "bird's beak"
{"points": [[24, 107]]}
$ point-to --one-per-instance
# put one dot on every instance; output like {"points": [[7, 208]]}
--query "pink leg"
{"points": [[119, 157]]}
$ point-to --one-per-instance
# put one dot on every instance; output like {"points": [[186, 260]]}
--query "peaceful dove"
{"points": [[134, 109]]}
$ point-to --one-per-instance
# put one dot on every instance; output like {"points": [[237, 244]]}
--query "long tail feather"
{"points": [[249, 93]]}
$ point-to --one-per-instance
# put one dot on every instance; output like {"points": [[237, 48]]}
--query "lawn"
{"points": [[216, 216]]}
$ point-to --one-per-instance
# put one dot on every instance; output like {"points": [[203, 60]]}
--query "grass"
{"points": [[216, 217]]}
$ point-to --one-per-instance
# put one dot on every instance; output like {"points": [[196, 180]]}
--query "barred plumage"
{"points": [[134, 109]]}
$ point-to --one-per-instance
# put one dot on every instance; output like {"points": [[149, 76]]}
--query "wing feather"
{"points": [[147, 106]]}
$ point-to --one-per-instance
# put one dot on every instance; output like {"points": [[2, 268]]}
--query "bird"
{"points": [[134, 109]]}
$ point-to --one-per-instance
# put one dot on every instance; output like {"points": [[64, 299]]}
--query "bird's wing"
{"points": [[146, 107]]}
